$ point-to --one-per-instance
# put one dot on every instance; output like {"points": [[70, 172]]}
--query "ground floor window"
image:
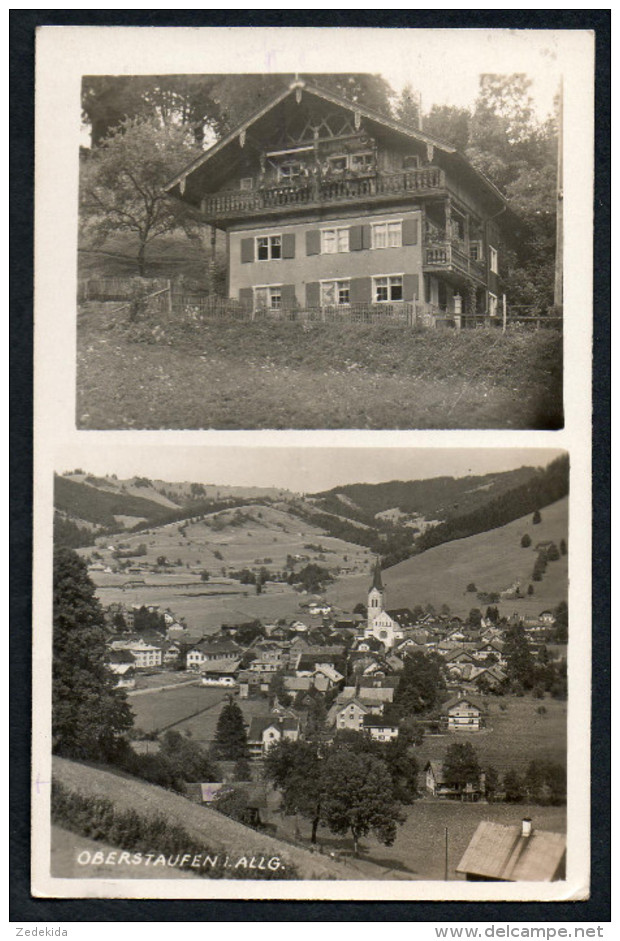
{"points": [[268, 297], [335, 293], [388, 288], [492, 305]]}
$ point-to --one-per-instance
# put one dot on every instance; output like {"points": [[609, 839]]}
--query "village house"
{"points": [[515, 853], [266, 731], [215, 648], [380, 729], [145, 655], [349, 715], [463, 714], [326, 204], [437, 786], [122, 664]]}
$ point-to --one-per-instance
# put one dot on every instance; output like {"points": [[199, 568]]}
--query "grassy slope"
{"points": [[220, 834], [67, 846], [492, 560], [287, 375]]}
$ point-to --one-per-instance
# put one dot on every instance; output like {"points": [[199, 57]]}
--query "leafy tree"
{"points": [[242, 770], [472, 587], [530, 589], [553, 553], [545, 782], [88, 714], [526, 541], [475, 617], [561, 623], [296, 769], [563, 548], [231, 742], [536, 518], [421, 683], [519, 659], [449, 124], [491, 783], [191, 760], [461, 766], [204, 576], [492, 614], [360, 609], [122, 180], [513, 787], [408, 107], [358, 798], [396, 755], [279, 691]]}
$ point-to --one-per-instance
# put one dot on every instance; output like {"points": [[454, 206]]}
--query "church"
{"points": [[380, 624]]}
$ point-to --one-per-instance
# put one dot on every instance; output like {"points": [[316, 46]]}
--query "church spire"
{"points": [[376, 578]]}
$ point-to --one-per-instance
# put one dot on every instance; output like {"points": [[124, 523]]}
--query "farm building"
{"points": [[327, 204], [515, 853], [463, 714]]}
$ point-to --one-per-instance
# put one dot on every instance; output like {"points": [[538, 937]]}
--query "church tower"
{"points": [[376, 595]]}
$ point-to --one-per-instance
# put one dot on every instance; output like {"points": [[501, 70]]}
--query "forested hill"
{"points": [[438, 498]]}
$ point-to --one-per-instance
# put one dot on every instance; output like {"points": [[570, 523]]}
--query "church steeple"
{"points": [[376, 577], [376, 595]]}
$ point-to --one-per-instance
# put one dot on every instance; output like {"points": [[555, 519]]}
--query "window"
{"points": [[493, 259], [361, 162], [289, 172], [339, 164], [411, 163], [269, 247], [247, 183], [334, 293], [268, 297], [492, 305], [388, 288], [475, 252], [386, 235], [334, 240]]}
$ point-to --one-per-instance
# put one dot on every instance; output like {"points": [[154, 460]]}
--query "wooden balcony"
{"points": [[269, 200], [445, 257]]}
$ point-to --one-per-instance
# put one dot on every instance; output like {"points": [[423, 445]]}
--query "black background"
{"points": [[23, 907]]}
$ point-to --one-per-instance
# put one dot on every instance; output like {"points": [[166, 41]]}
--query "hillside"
{"points": [[220, 834], [492, 561]]}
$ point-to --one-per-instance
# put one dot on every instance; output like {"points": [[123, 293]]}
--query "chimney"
{"points": [[526, 827]]}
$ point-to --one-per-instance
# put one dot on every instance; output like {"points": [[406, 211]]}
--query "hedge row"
{"points": [[98, 819]]}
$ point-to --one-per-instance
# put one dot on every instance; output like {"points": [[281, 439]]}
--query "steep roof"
{"points": [[376, 577], [260, 723], [462, 698], [503, 853]]}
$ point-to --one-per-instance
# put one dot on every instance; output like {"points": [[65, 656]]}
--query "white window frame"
{"points": [[271, 289], [387, 224], [246, 184], [339, 284], [338, 232], [271, 242], [493, 260], [291, 177], [492, 304], [362, 153], [389, 278]]}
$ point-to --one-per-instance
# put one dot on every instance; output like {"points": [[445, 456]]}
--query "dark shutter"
{"points": [[247, 250], [356, 238], [313, 242], [289, 299], [361, 290], [288, 245], [411, 287], [410, 231], [313, 294], [366, 237], [246, 298]]}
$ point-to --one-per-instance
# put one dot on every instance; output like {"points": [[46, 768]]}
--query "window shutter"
{"points": [[289, 298], [361, 290], [411, 287], [313, 294], [246, 298], [366, 237], [313, 242], [288, 245], [356, 237], [247, 250], [410, 231]]}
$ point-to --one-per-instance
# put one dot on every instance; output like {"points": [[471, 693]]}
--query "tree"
{"points": [[122, 184], [472, 588], [519, 659], [408, 107], [492, 614], [358, 798], [491, 783], [461, 766], [191, 760], [475, 617], [563, 548], [536, 518], [204, 576], [513, 787], [545, 782], [526, 541], [561, 623], [296, 769], [421, 683], [553, 553], [450, 124], [89, 715], [231, 741]]}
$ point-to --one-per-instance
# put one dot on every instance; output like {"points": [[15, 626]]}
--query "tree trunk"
{"points": [[141, 259], [355, 845], [315, 826]]}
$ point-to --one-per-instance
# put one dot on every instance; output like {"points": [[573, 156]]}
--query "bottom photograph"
{"points": [[309, 664]]}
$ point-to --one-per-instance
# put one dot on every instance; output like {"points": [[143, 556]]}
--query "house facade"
{"points": [[327, 204]]}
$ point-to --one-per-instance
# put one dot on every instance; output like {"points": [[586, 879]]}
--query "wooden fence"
{"points": [[119, 289]]}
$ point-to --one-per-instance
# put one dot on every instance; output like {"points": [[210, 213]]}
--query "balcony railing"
{"points": [[447, 255], [324, 191]]}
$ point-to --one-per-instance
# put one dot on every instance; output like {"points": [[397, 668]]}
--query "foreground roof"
{"points": [[503, 853]]}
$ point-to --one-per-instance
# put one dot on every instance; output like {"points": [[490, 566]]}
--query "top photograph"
{"points": [[320, 251]]}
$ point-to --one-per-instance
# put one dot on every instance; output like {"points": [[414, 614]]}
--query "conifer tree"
{"points": [[231, 740]]}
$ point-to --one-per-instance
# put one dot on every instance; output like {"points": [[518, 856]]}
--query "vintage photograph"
{"points": [[377, 249], [310, 664]]}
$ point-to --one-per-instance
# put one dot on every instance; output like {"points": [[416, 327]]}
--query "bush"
{"points": [[526, 541]]}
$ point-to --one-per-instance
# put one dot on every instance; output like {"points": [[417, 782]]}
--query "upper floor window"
{"points": [[268, 247], [247, 183], [388, 288], [360, 162], [493, 259], [334, 240], [411, 163], [475, 251], [386, 235]]}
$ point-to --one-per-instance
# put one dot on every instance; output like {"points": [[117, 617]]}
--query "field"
{"points": [[291, 375], [491, 560], [263, 533]]}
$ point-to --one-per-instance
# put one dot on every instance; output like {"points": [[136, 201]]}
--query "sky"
{"points": [[300, 469]]}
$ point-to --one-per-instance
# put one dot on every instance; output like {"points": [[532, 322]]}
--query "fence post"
{"points": [[504, 313]]}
